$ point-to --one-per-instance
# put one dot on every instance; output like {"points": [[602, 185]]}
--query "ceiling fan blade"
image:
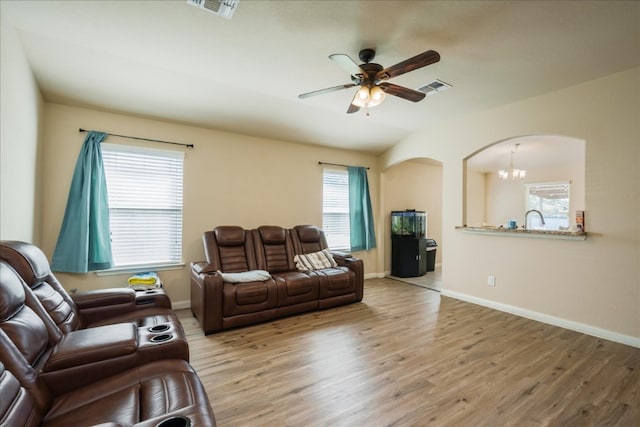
{"points": [[422, 60], [348, 64], [327, 90], [353, 109], [403, 92]]}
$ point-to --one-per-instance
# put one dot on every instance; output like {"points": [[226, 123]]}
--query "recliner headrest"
{"points": [[229, 235], [272, 234], [308, 233], [27, 259], [12, 294]]}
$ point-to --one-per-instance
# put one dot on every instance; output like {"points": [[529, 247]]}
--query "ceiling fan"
{"points": [[372, 78]]}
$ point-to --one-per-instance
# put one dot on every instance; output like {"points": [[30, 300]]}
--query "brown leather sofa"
{"points": [[85, 309], [219, 304], [114, 374]]}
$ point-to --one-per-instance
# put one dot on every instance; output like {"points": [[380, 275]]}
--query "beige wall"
{"points": [[414, 184], [476, 199], [20, 113], [228, 179], [592, 284]]}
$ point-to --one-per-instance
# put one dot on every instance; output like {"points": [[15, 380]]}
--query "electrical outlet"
{"points": [[491, 280]]}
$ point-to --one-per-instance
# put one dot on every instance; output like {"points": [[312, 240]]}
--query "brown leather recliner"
{"points": [[86, 309], [77, 358], [297, 291], [220, 304], [53, 379], [335, 290], [336, 287], [141, 397]]}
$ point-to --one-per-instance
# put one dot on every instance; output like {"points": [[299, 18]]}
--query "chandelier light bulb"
{"points": [[515, 174]]}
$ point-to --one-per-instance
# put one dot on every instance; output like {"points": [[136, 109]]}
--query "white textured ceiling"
{"points": [[172, 61]]}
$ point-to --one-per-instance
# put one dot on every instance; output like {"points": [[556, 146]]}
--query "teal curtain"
{"points": [[84, 243], [360, 215]]}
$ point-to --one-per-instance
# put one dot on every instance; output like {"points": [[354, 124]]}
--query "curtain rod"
{"points": [[143, 139], [338, 164]]}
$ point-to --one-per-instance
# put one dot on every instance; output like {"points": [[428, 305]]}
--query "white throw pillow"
{"points": [[315, 261]]}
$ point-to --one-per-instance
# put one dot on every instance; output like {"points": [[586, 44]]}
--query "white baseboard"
{"points": [[178, 305], [374, 276], [545, 318]]}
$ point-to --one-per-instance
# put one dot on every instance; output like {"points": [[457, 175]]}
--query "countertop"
{"points": [[521, 232]]}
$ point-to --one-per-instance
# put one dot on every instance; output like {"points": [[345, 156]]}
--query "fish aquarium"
{"points": [[409, 223]]}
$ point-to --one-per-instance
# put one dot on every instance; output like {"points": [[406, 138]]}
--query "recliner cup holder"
{"points": [[159, 328], [175, 422], [161, 338]]}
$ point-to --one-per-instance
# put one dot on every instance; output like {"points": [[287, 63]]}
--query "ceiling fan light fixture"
{"points": [[367, 97], [362, 96], [371, 78], [377, 95]]}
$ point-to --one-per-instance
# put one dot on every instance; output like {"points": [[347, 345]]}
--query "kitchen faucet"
{"points": [[526, 217]]}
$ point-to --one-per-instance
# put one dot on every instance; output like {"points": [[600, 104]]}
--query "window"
{"points": [[335, 209], [552, 199], [145, 205]]}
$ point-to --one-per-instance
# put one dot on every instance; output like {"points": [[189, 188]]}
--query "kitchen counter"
{"points": [[521, 232]]}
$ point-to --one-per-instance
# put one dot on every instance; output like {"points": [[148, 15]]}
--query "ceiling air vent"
{"points": [[224, 8], [434, 87]]}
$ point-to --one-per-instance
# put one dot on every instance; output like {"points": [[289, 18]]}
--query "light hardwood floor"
{"points": [[407, 356]]}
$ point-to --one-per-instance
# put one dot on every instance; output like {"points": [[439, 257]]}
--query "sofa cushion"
{"points": [[229, 235], [308, 239], [18, 321], [252, 297], [274, 250], [27, 259], [315, 261], [156, 390], [308, 233], [272, 235]]}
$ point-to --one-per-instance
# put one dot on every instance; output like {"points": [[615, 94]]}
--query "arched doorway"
{"points": [[414, 184]]}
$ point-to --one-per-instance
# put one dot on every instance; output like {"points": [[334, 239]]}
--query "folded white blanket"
{"points": [[245, 276]]}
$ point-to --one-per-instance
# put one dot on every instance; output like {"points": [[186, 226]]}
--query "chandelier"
{"points": [[513, 173]]}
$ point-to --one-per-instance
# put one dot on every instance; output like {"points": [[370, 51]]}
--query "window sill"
{"points": [[521, 232], [140, 269]]}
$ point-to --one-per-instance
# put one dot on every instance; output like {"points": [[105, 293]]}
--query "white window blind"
{"points": [[335, 209], [145, 204]]}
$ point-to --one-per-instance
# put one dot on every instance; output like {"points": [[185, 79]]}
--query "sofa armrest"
{"points": [[104, 297], [88, 355], [92, 345], [202, 268], [152, 298], [354, 264], [338, 255], [98, 305], [206, 297]]}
